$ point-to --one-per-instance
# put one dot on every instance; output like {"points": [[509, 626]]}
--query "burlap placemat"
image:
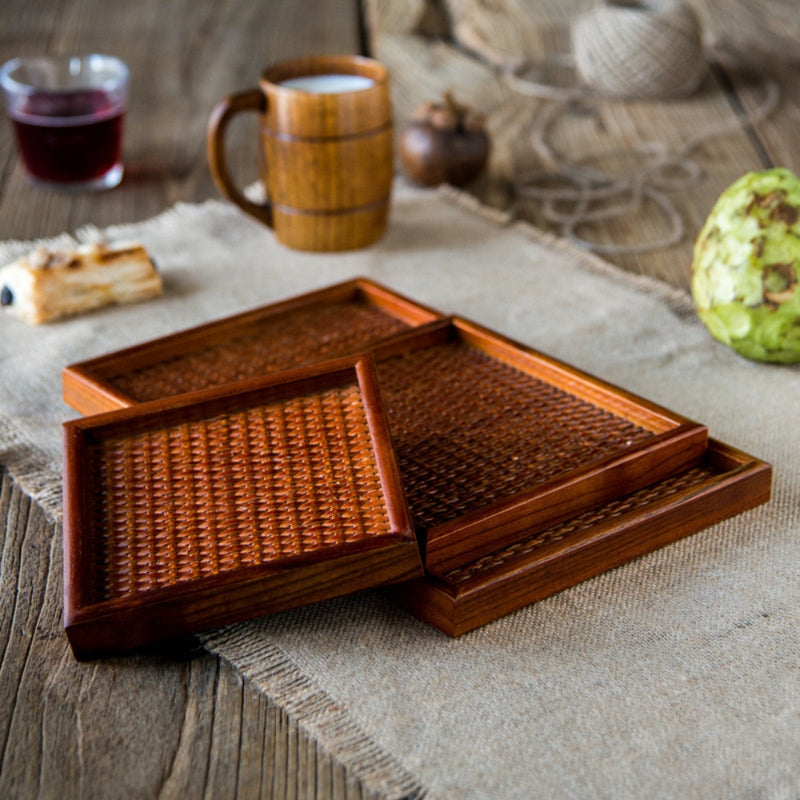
{"points": [[674, 676]]}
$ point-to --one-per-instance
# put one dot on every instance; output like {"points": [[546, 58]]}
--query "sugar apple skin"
{"points": [[746, 267]]}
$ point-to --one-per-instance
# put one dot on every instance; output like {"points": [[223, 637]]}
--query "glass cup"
{"points": [[68, 114]]}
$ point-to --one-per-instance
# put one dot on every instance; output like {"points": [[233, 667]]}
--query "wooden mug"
{"points": [[326, 150]]}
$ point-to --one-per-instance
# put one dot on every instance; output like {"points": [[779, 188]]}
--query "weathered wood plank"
{"points": [[600, 133], [779, 132], [158, 724], [184, 57], [164, 725], [177, 723], [706, 127]]}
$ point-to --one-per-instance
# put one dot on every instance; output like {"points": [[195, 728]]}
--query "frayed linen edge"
{"points": [[268, 668], [678, 300], [31, 470]]}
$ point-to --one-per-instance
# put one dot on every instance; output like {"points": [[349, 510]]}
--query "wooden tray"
{"points": [[725, 483], [496, 441], [523, 475], [225, 504], [336, 321]]}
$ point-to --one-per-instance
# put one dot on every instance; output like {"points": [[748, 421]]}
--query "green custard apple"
{"points": [[746, 267]]}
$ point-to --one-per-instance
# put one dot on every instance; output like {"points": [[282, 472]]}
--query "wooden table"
{"points": [[720, 127], [182, 723]]}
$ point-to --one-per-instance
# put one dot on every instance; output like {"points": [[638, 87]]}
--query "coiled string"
{"points": [[646, 49], [622, 50]]}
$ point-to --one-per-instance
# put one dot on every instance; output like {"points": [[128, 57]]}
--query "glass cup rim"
{"points": [[17, 86]]}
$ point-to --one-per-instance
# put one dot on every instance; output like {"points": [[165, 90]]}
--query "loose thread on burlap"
{"points": [[573, 193]]}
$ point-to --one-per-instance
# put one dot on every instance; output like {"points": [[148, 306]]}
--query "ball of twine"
{"points": [[646, 49]]}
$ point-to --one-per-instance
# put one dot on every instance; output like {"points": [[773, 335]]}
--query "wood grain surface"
{"points": [[720, 127], [184, 57], [350, 316], [726, 482], [176, 724], [327, 162], [319, 433]]}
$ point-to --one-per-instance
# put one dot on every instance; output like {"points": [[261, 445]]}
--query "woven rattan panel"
{"points": [[470, 430], [286, 340], [584, 522], [200, 498]]}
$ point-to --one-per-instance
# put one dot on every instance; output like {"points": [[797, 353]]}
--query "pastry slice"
{"points": [[47, 284]]}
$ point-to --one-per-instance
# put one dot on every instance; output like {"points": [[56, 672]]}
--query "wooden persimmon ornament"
{"points": [[444, 143]]}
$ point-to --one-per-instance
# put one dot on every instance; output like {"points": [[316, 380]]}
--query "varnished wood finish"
{"points": [[95, 385], [327, 159], [221, 117], [478, 593], [327, 553], [671, 444], [173, 722], [452, 544], [666, 443]]}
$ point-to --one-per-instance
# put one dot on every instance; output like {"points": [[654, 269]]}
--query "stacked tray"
{"points": [[523, 476], [724, 483], [336, 321], [204, 509], [495, 440]]}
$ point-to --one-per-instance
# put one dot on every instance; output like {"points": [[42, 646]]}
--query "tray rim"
{"points": [[87, 388], [455, 608], [82, 616], [96, 631], [677, 442]]}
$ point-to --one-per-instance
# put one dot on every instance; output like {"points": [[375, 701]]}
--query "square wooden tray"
{"points": [[496, 441], [201, 510], [725, 483], [523, 475], [335, 321]]}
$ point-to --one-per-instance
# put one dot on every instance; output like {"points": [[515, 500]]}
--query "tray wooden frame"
{"points": [[469, 578], [493, 590], [89, 386], [676, 444], [123, 623]]}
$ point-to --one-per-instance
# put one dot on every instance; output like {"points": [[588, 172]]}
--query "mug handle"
{"points": [[224, 111]]}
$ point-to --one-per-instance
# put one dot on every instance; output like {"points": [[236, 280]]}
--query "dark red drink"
{"points": [[70, 137]]}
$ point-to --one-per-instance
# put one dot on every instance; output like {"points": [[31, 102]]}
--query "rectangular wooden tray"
{"points": [[496, 441], [197, 511], [725, 483], [335, 321], [523, 475]]}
